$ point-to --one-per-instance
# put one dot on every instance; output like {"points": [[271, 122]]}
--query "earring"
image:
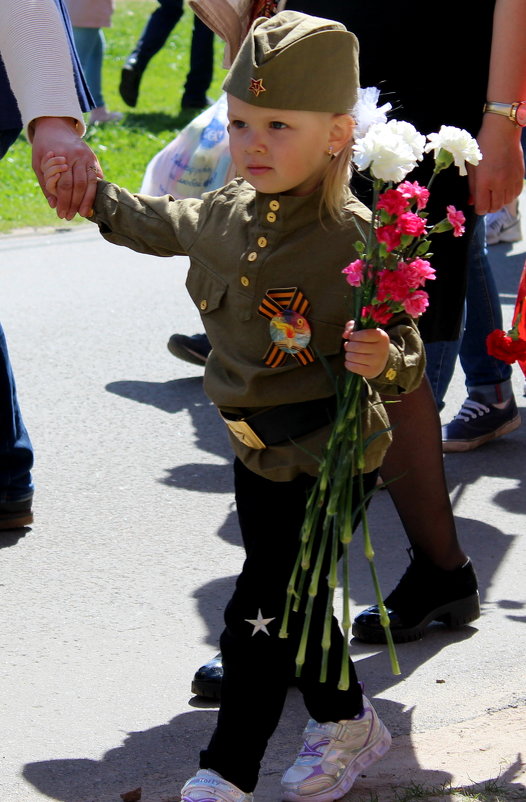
{"points": [[330, 151]]}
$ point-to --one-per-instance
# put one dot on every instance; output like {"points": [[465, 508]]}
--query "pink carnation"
{"points": [[390, 235], [414, 190], [418, 272], [410, 223], [393, 284], [457, 220], [354, 272], [380, 313], [393, 202], [416, 303]]}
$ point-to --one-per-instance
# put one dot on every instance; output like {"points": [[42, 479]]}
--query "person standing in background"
{"points": [[154, 36]]}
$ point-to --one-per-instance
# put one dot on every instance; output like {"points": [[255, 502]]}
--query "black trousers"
{"points": [[257, 664]]}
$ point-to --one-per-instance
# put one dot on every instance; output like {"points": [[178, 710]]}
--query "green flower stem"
{"points": [[343, 684], [369, 554], [327, 624], [312, 593], [291, 595]]}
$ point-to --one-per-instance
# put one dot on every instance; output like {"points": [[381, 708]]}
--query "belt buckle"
{"points": [[244, 433]]}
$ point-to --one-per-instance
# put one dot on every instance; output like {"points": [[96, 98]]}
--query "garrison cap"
{"points": [[298, 62]]}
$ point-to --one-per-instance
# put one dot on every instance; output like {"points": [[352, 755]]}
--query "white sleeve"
{"points": [[36, 54]]}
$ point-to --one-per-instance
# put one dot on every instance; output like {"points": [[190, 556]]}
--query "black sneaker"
{"points": [[207, 679], [477, 423], [16, 514], [194, 349], [425, 593]]}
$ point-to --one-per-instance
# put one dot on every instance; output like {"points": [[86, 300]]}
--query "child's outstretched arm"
{"points": [[52, 168], [366, 350]]}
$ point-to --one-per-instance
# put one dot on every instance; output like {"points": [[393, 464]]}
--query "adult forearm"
{"points": [[507, 74], [35, 50]]}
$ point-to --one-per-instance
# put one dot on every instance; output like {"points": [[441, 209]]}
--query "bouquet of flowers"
{"points": [[510, 346], [388, 278]]}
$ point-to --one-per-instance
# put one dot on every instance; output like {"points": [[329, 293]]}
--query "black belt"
{"points": [[282, 423]]}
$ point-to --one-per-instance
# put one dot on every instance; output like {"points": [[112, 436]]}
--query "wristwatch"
{"points": [[516, 112]]}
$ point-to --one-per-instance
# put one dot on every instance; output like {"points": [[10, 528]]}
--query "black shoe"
{"points": [[425, 593], [194, 349], [207, 679], [16, 514], [131, 76]]}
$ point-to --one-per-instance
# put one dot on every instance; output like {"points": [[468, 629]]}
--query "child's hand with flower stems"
{"points": [[366, 350], [52, 168]]}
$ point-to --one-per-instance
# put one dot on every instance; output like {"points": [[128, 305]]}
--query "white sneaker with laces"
{"points": [[209, 786], [333, 755], [502, 226]]}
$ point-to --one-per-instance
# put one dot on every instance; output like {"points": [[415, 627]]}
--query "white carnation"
{"points": [[459, 143], [390, 150], [366, 111]]}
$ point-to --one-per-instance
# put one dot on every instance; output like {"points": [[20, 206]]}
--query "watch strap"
{"points": [[508, 110]]}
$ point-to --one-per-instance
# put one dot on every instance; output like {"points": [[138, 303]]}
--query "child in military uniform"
{"points": [[266, 255]]}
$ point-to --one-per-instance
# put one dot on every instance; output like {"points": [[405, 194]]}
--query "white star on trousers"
{"points": [[260, 623]]}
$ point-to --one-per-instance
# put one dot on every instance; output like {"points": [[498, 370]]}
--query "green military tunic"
{"points": [[243, 244]]}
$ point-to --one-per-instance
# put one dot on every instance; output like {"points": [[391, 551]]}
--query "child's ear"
{"points": [[341, 132]]}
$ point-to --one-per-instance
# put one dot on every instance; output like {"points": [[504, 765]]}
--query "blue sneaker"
{"points": [[477, 423]]}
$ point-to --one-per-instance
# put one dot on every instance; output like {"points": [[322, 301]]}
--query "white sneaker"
{"points": [[502, 226], [210, 786], [333, 755]]}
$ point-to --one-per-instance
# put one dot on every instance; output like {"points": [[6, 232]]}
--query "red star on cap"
{"points": [[256, 86]]}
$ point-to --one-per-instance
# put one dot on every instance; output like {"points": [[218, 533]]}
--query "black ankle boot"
{"points": [[425, 593]]}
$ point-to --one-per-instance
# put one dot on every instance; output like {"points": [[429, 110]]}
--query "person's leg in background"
{"points": [[90, 46], [201, 70], [154, 36], [16, 451], [490, 409]]}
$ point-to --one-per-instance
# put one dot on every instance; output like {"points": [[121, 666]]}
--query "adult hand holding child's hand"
{"points": [[75, 189]]}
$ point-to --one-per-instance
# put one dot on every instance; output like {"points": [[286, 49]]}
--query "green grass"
{"points": [[124, 149], [490, 791]]}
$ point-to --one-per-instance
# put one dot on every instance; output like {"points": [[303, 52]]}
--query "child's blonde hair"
{"points": [[335, 186]]}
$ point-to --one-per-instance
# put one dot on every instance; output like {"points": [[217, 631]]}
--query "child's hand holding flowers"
{"points": [[366, 350]]}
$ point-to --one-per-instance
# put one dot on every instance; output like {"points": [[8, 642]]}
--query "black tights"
{"points": [[420, 494]]}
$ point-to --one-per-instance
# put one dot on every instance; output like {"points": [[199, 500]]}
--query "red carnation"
{"points": [[505, 347]]}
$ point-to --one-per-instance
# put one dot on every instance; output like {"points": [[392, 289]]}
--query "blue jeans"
{"points": [[490, 377], [16, 451], [90, 46]]}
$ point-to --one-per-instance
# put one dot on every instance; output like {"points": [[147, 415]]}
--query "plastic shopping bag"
{"points": [[196, 161]]}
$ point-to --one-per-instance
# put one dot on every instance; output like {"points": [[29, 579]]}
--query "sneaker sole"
{"points": [[369, 756], [449, 446], [453, 615]]}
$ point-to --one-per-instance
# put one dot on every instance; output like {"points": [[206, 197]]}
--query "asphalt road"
{"points": [[114, 597]]}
